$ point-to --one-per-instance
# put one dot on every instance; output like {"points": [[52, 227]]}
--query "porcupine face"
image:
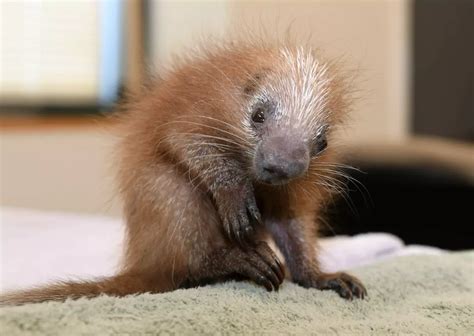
{"points": [[287, 116]]}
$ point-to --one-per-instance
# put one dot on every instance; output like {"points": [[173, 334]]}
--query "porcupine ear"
{"points": [[253, 82]]}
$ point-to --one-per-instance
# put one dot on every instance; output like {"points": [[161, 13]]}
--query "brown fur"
{"points": [[183, 174]]}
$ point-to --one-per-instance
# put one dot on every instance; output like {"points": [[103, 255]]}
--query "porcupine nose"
{"points": [[281, 159]]}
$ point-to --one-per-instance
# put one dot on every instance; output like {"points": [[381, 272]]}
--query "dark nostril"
{"points": [[283, 171], [275, 171], [269, 170]]}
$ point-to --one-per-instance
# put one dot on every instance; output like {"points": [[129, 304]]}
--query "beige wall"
{"points": [[69, 169], [54, 169], [177, 25]]}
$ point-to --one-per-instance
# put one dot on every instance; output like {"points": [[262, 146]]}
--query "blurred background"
{"points": [[64, 63]]}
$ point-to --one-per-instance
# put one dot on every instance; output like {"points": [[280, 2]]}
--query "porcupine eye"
{"points": [[258, 115], [262, 111], [321, 140]]}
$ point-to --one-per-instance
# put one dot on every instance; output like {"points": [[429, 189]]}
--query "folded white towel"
{"points": [[343, 252]]}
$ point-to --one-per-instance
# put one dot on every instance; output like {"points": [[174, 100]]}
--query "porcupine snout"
{"points": [[280, 159]]}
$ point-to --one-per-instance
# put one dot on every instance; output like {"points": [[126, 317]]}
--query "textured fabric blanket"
{"points": [[412, 295]]}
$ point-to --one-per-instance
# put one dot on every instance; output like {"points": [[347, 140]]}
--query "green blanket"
{"points": [[416, 295]]}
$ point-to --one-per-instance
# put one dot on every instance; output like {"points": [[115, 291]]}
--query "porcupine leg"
{"points": [[296, 242]]}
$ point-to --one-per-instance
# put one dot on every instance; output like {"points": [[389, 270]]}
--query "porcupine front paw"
{"points": [[346, 285], [239, 213], [258, 264]]}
